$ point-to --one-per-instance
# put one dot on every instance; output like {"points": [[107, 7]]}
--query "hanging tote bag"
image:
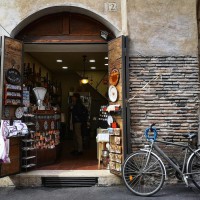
{"points": [[4, 144]]}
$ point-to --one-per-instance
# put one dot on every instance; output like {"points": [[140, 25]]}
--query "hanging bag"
{"points": [[4, 144]]}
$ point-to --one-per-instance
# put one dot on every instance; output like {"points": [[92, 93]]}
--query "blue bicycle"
{"points": [[144, 172]]}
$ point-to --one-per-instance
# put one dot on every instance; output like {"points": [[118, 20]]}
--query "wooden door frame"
{"points": [[125, 94]]}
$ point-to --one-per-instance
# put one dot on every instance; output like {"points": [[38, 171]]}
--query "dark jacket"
{"points": [[79, 113]]}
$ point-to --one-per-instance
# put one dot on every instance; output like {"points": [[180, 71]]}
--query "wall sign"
{"points": [[110, 6], [13, 76]]}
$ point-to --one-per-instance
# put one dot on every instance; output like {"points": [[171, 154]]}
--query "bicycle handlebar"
{"points": [[151, 129]]}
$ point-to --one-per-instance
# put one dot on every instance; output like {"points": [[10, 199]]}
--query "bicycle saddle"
{"points": [[189, 135]]}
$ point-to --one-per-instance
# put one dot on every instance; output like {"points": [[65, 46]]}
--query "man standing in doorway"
{"points": [[77, 119]]}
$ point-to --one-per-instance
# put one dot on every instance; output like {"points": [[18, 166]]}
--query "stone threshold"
{"points": [[33, 178]]}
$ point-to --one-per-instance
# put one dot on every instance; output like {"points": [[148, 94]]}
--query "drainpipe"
{"points": [[124, 17]]}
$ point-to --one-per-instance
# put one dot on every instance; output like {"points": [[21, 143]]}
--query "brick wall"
{"points": [[171, 101]]}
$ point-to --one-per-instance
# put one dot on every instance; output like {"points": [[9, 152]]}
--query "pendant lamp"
{"points": [[84, 79], [40, 94]]}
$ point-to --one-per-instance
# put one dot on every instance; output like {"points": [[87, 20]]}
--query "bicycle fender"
{"points": [[190, 159], [159, 160]]}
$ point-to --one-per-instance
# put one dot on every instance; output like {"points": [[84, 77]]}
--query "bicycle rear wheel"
{"points": [[194, 169], [140, 177]]}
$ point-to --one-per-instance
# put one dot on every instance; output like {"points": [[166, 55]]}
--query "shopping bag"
{"points": [[4, 144]]}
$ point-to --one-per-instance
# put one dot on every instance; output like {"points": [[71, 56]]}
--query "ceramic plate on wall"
{"points": [[112, 93], [114, 77], [19, 112]]}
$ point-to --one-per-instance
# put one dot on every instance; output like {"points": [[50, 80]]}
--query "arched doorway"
{"points": [[71, 35], [67, 30]]}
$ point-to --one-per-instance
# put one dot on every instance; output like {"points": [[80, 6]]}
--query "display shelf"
{"points": [[29, 115], [13, 90], [28, 140], [11, 104], [30, 124], [28, 148], [13, 87], [28, 166], [29, 151], [28, 157], [12, 95]]}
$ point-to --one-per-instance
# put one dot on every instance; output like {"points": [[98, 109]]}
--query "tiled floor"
{"points": [[87, 161]]}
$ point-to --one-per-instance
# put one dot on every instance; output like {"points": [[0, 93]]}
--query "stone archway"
{"points": [[64, 27], [58, 9]]}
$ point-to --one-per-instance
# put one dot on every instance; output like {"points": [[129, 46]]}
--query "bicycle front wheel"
{"points": [[142, 176], [194, 169]]}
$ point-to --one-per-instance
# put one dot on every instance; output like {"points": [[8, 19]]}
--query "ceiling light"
{"points": [[84, 80], [106, 58], [91, 61], [59, 61], [106, 64], [65, 67], [92, 67]]}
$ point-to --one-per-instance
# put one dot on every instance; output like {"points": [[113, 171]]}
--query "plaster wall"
{"points": [[162, 27], [15, 13], [154, 27]]}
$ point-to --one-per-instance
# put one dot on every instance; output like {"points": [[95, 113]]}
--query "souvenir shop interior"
{"points": [[36, 114]]}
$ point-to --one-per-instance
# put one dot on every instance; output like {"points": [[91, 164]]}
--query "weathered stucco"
{"points": [[155, 27], [162, 27], [15, 13]]}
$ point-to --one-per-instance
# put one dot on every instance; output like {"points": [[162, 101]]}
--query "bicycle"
{"points": [[144, 172]]}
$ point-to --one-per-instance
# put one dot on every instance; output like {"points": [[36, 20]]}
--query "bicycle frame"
{"points": [[165, 156]]}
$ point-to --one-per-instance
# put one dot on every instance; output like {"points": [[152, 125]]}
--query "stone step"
{"points": [[33, 178]]}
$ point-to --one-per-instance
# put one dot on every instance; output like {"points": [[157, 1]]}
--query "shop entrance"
{"points": [[66, 78], [53, 59]]}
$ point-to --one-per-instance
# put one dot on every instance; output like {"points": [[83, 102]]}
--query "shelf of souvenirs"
{"points": [[12, 102], [115, 166], [13, 95], [35, 79], [9, 94], [46, 139], [14, 88], [115, 157], [110, 108]]}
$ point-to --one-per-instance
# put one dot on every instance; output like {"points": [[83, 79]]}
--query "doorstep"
{"points": [[34, 178]]}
